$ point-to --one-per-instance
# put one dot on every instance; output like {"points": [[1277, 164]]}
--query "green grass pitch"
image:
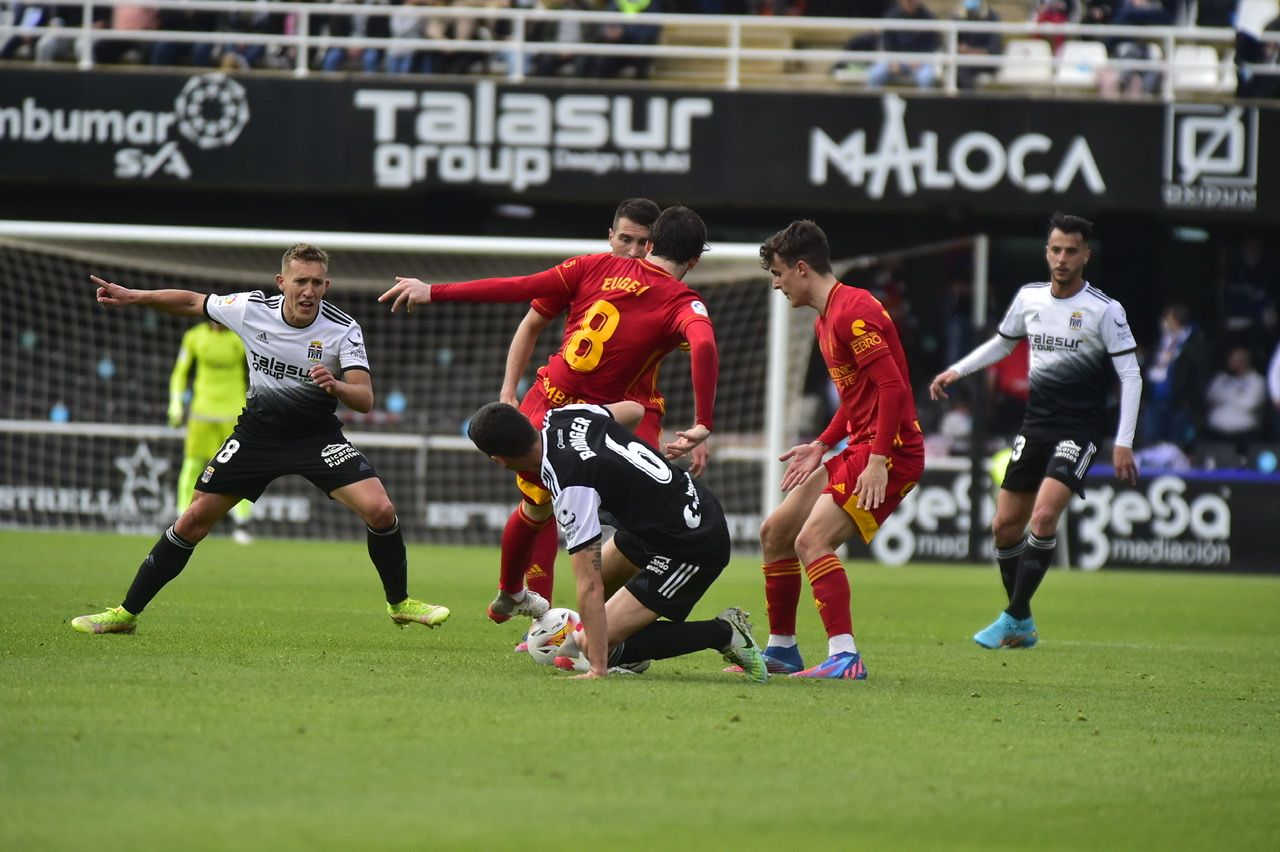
{"points": [[266, 702]]}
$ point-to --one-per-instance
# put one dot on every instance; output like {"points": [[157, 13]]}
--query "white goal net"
{"points": [[84, 443]]}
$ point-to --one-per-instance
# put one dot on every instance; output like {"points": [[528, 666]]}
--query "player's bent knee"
{"points": [[381, 515], [775, 535]]}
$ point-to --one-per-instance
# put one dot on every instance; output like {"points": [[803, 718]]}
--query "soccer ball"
{"points": [[547, 633]]}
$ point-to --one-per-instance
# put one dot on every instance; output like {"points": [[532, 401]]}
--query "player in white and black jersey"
{"points": [[1078, 337], [305, 356], [672, 540]]}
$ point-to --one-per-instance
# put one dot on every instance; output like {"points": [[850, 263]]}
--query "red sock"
{"points": [[541, 576], [782, 595], [518, 540], [831, 594]]}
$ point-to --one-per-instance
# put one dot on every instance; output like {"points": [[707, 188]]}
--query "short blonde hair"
{"points": [[304, 253]]}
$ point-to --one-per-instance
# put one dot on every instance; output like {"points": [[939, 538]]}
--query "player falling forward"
{"points": [[298, 346], [1074, 329], [624, 315], [671, 544], [217, 398], [628, 237], [854, 491]]}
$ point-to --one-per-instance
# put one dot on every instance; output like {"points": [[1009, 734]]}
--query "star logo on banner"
{"points": [[141, 471]]}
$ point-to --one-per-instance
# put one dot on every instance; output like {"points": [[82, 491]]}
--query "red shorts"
{"points": [[905, 467], [535, 406]]}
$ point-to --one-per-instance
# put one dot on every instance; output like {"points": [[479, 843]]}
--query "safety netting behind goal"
{"points": [[84, 443]]}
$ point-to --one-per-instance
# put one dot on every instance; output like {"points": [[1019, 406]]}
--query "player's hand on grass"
{"points": [[1126, 466], [804, 460], [937, 388], [686, 440], [871, 483], [111, 294], [407, 292]]}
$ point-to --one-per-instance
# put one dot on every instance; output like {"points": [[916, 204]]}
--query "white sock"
{"points": [[776, 641], [518, 596], [841, 644]]}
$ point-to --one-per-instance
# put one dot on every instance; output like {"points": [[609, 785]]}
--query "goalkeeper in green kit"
{"points": [[217, 398]]}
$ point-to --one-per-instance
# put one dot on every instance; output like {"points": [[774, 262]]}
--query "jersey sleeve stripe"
{"points": [[204, 307], [361, 367], [1123, 352], [1010, 336], [336, 314]]}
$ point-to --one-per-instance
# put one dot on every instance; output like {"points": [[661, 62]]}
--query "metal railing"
{"points": [[511, 53]]}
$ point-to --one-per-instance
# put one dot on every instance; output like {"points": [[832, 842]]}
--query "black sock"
{"points": [[166, 560], [1031, 570], [664, 639], [1007, 558], [386, 549]]}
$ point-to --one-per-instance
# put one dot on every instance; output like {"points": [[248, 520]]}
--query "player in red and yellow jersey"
{"points": [[624, 315], [865, 482]]}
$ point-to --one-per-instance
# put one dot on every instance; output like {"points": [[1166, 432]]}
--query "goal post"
{"points": [[85, 445]]}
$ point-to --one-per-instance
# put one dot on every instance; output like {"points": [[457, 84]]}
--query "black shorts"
{"points": [[1066, 458], [670, 583], [245, 465]]}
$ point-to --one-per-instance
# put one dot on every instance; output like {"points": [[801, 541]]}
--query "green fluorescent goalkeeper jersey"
{"points": [[219, 359]]}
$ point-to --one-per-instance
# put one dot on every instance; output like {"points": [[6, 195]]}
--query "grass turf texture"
{"points": [[266, 701]]}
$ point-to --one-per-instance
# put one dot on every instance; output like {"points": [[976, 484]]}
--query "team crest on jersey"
{"points": [[699, 309], [207, 475], [1077, 321], [315, 350]]}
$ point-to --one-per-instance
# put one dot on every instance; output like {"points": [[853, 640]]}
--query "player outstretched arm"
{"points": [[704, 364], [983, 356], [520, 353], [407, 292], [183, 303], [1126, 366], [595, 625]]}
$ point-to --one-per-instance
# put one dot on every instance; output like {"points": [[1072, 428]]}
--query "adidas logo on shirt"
{"points": [[262, 336]]}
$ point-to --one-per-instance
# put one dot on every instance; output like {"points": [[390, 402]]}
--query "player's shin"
{"points": [[831, 594], [387, 552], [1032, 567], [519, 541], [782, 595], [541, 575], [663, 639], [1008, 558], [166, 560]]}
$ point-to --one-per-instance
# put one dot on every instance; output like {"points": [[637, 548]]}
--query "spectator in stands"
{"points": [[254, 20], [1177, 373], [925, 74], [406, 23], [1252, 83], [976, 43], [1249, 291], [1236, 402], [372, 26], [197, 54], [1216, 13], [561, 32], [51, 46], [631, 33], [1052, 12], [127, 18], [1145, 13]]}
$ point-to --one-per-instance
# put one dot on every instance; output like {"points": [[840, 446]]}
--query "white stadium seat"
{"points": [[1026, 62], [1080, 62], [1195, 68]]}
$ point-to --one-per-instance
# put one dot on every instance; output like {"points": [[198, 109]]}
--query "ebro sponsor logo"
{"points": [[519, 139], [210, 111], [976, 161]]}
